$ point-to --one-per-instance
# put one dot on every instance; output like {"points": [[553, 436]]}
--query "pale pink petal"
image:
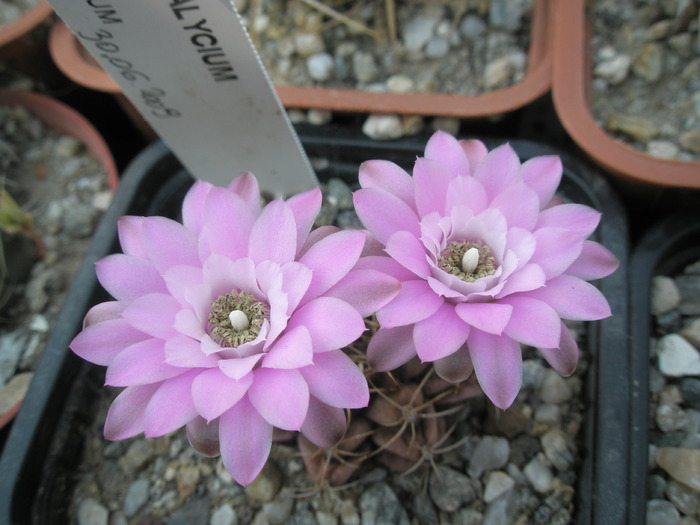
{"points": [[440, 335], [498, 170], [556, 249], [131, 236], [171, 406], [238, 367], [169, 243], [332, 258], [296, 279], [126, 416], [564, 358], [389, 348], [331, 322], [281, 397], [316, 235], [99, 343], [227, 225], [475, 150], [245, 439], [532, 322], [187, 323], [336, 380], [305, 207], [186, 352], [325, 425], [179, 279], [519, 205], [456, 367], [279, 306], [293, 350], [246, 185], [214, 393], [106, 311], [204, 437], [467, 192], [194, 205], [366, 290], [153, 314], [445, 148], [575, 217], [387, 265], [488, 317], [274, 234], [415, 301], [387, 176], [383, 213], [224, 276], [529, 277], [543, 175], [268, 275], [574, 299], [595, 262], [445, 290], [126, 277], [409, 252], [498, 365], [140, 364], [432, 178]]}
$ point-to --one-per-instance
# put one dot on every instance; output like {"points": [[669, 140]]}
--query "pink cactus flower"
{"points": [[488, 259], [231, 323]]}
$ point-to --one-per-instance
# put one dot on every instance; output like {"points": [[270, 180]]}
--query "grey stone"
{"points": [[437, 47], [12, 344], [689, 285], [533, 373], [307, 44], [539, 475], [136, 496], [266, 486], [665, 295], [615, 70], [320, 66], [224, 515], [557, 449], [339, 194], [670, 417], [497, 484], [423, 508], [691, 331], [503, 510], [193, 512], [277, 511], [490, 453], [400, 84], [649, 64], [690, 389], [137, 455], [418, 31], [468, 517], [683, 498], [662, 512], [554, 388], [508, 14], [450, 489], [379, 505], [472, 27], [656, 487], [92, 512], [365, 67]]}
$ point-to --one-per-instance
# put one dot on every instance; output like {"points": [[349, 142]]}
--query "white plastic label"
{"points": [[190, 68]]}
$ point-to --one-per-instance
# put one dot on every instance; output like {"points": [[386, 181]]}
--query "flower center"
{"points": [[467, 260], [236, 318]]}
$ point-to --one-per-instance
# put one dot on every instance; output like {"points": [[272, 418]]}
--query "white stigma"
{"points": [[470, 260], [239, 320]]}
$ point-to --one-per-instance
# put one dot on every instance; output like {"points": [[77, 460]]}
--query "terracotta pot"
{"points": [[75, 63], [66, 120], [11, 35], [571, 90]]}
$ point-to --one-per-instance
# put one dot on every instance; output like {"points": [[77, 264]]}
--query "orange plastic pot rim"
{"points": [[571, 80], [23, 25]]}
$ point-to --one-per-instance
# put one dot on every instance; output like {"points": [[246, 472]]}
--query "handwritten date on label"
{"points": [[102, 41], [153, 97]]}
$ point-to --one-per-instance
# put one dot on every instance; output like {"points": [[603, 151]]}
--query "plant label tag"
{"points": [[191, 70]]}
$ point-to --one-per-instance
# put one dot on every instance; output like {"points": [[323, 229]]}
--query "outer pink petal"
{"points": [[416, 301], [227, 226], [432, 179], [331, 322], [296, 279], [409, 252], [498, 365], [131, 236], [316, 235], [542, 174], [533, 322], [332, 258], [204, 437], [383, 213], [139, 364], [305, 207], [456, 367], [99, 343], [153, 314], [519, 205], [440, 335], [274, 234], [185, 352], [194, 207], [445, 148], [179, 279], [529, 277], [169, 243], [488, 317], [498, 170], [365, 290], [595, 262], [336, 380], [214, 393], [238, 367], [106, 311], [387, 176], [325, 425], [389, 348], [564, 358], [575, 217], [556, 249], [126, 277], [281, 397], [384, 264], [475, 150], [126, 416], [171, 406], [293, 350], [574, 299], [245, 439], [466, 191], [246, 185]]}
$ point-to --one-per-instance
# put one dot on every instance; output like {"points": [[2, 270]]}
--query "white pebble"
{"points": [[320, 66], [677, 357], [383, 127]]}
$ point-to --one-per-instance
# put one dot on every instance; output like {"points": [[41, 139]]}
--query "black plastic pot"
{"points": [[665, 249], [45, 443]]}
